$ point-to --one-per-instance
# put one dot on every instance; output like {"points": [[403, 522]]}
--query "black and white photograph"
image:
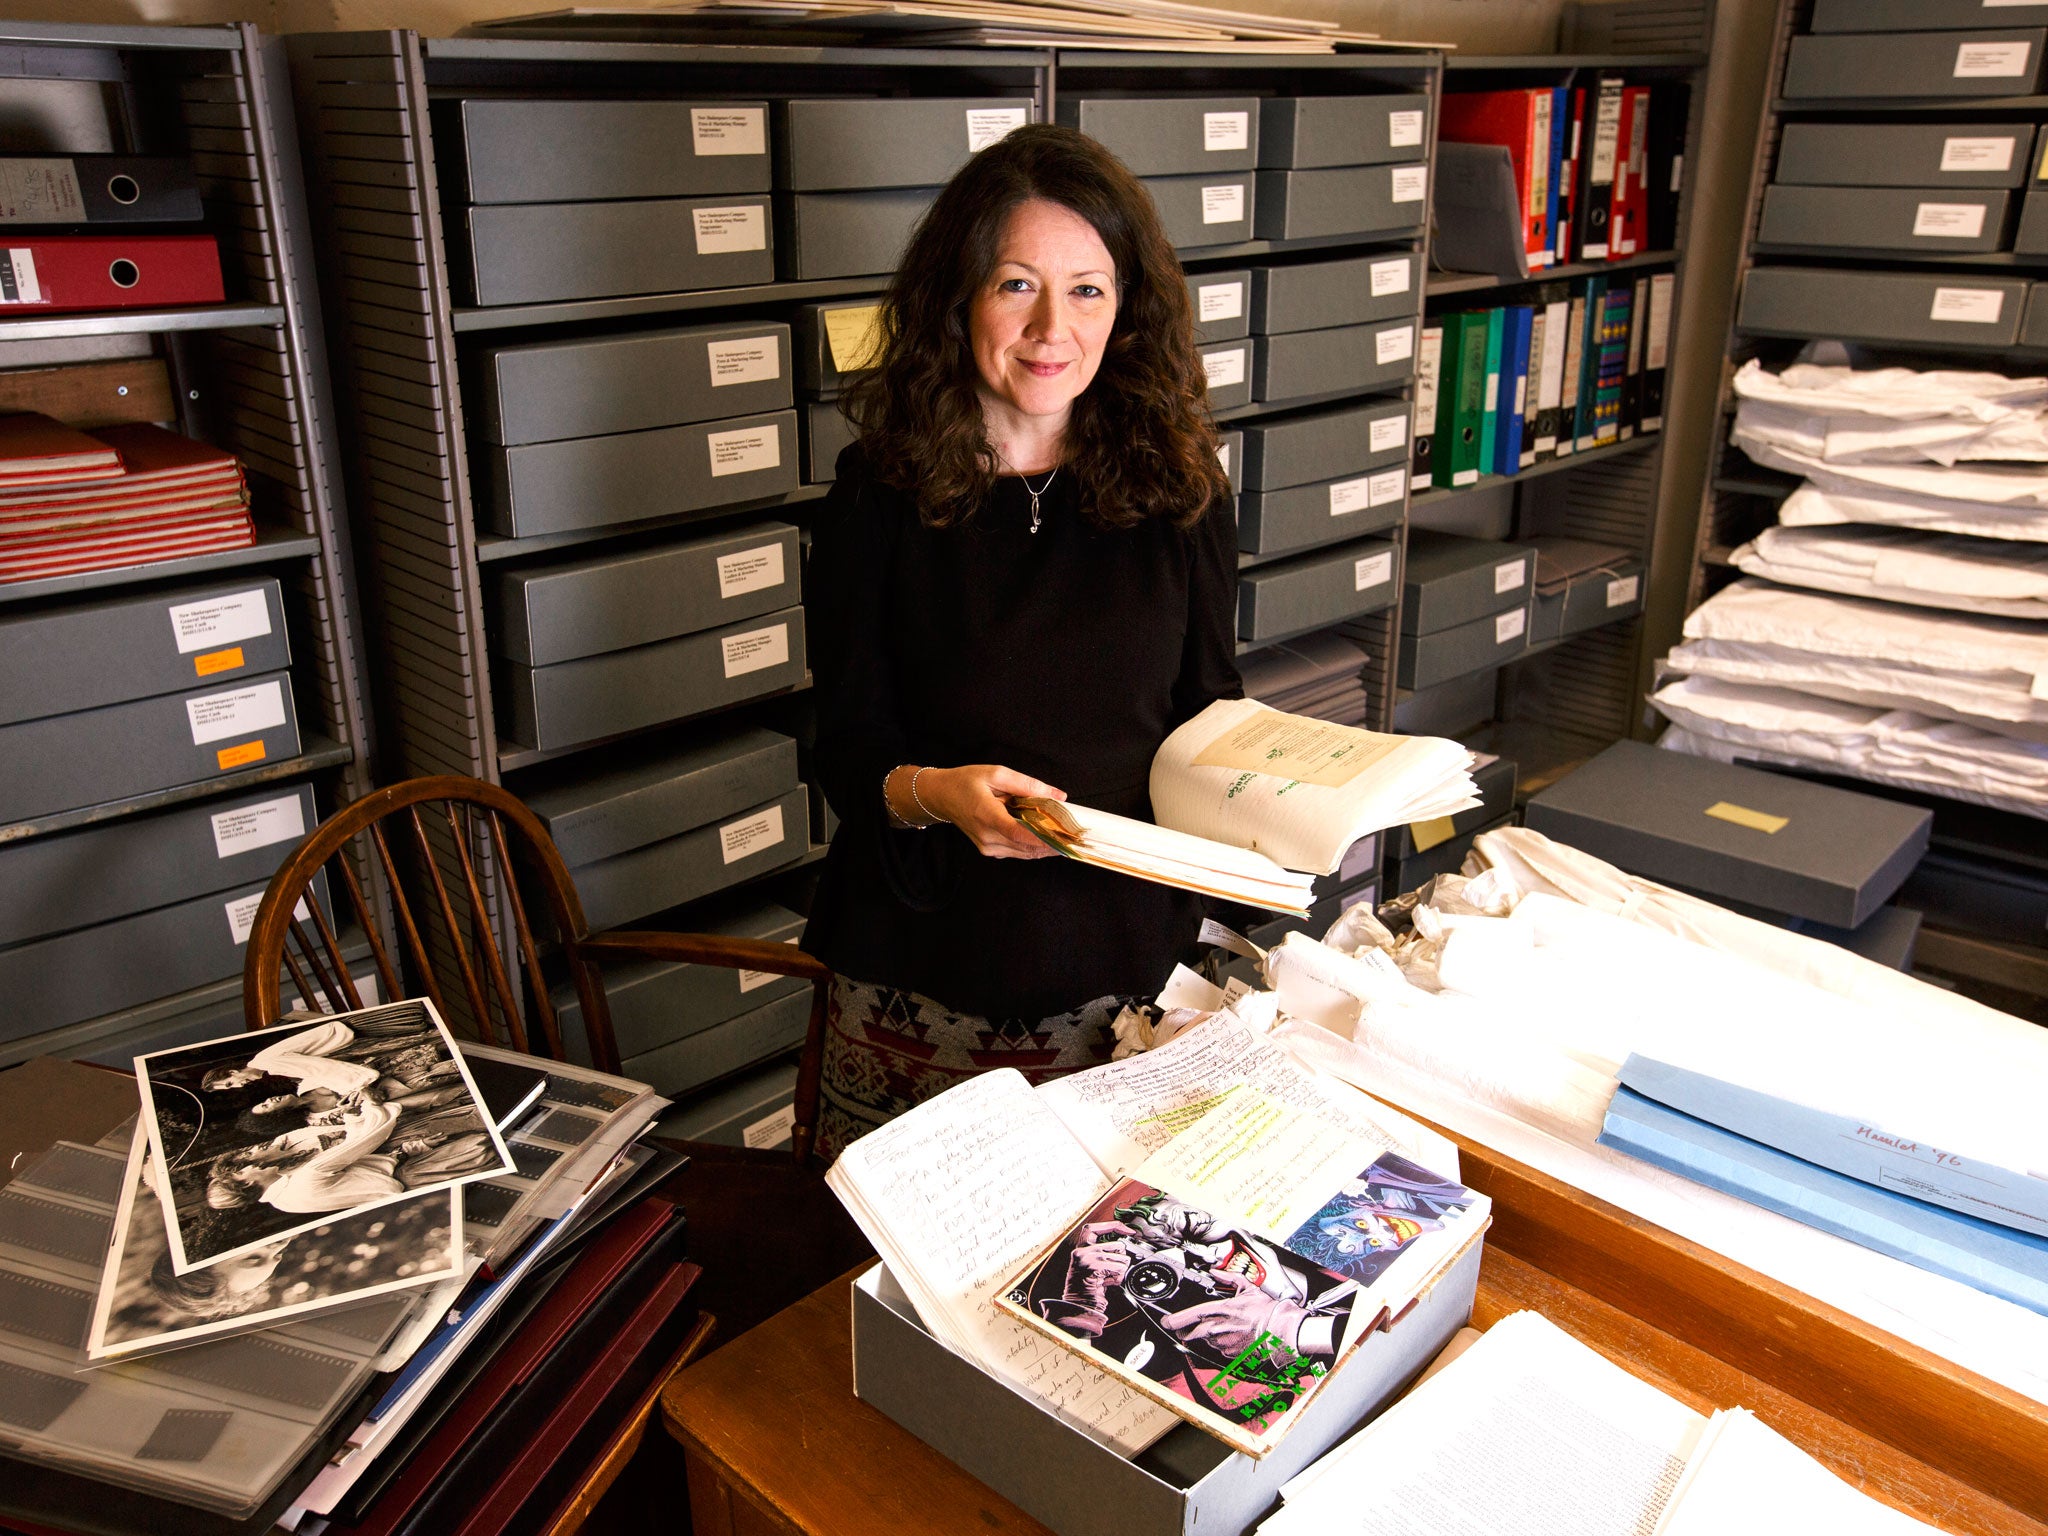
{"points": [[146, 1306], [264, 1135]]}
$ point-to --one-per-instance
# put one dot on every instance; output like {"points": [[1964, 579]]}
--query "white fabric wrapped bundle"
{"points": [[1895, 565], [1812, 506], [2024, 489], [1894, 415]]}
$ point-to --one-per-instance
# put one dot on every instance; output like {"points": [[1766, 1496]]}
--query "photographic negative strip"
{"points": [[145, 1306], [260, 1136]]}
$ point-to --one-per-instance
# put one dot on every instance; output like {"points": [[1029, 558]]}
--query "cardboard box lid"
{"points": [[1785, 844]]}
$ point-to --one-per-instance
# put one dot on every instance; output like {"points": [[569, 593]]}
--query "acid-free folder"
{"points": [[1511, 398], [1461, 399]]}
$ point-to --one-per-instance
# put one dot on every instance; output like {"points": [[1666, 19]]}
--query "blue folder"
{"points": [[1518, 324]]}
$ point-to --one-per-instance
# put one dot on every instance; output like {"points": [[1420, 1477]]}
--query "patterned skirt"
{"points": [[887, 1049]]}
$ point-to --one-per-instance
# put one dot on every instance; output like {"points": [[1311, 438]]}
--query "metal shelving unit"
{"points": [[248, 375]]}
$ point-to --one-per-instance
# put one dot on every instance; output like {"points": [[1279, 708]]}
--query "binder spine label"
{"points": [[1657, 346], [1948, 221], [249, 827], [217, 621], [1392, 346], [1223, 205], [1388, 277], [1993, 61], [243, 712], [1226, 130], [1977, 154], [745, 449], [737, 839], [985, 125], [750, 360], [18, 284], [1404, 130], [750, 570], [1373, 570], [1411, 183], [40, 192], [723, 231], [755, 650], [729, 130]]}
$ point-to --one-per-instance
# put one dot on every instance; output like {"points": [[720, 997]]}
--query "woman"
{"points": [[1023, 579]]}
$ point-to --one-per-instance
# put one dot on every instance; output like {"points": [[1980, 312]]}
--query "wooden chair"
{"points": [[429, 837]]}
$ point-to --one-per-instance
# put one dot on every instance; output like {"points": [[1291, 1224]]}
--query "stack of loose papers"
{"points": [[1318, 675], [1532, 1432]]}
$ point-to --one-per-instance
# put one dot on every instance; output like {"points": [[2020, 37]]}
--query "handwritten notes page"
{"points": [[960, 1194], [1258, 1163], [1124, 1111]]}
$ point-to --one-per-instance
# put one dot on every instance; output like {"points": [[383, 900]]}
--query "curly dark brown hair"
{"points": [[1139, 438]]}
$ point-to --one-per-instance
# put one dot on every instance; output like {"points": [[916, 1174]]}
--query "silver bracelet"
{"points": [[923, 809], [914, 826]]}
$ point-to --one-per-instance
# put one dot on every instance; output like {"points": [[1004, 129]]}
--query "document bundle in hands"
{"points": [[973, 1193], [1251, 803]]}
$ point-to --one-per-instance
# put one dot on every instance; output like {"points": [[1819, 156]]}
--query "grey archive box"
{"points": [[625, 477], [642, 881], [826, 433], [543, 253], [1803, 849], [1308, 132], [1882, 306], [68, 762], [1317, 294], [1230, 367], [1453, 579], [1204, 210], [1343, 200], [1322, 512], [73, 879], [1918, 15], [68, 977], [1189, 1483], [654, 1003], [1958, 221], [1876, 65], [628, 597], [1360, 864], [1322, 445], [833, 342], [87, 655], [756, 1109], [1317, 590], [1341, 360], [572, 702], [1941, 155], [2032, 237], [759, 1034], [1222, 302], [1170, 135], [856, 144], [1605, 596], [1230, 452], [1477, 646], [555, 389], [647, 791], [2035, 332], [537, 151], [849, 234]]}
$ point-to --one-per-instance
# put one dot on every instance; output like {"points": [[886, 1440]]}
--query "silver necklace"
{"points": [[1033, 494]]}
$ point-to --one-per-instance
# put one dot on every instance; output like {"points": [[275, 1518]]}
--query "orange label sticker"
{"points": [[218, 661], [235, 757]]}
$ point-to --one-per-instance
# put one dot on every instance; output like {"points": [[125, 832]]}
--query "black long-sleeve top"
{"points": [[1068, 654]]}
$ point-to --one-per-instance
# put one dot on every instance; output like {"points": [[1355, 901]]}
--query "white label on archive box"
{"points": [[1386, 433], [723, 231], [1623, 590], [1993, 61], [242, 712], [771, 1130], [1387, 486], [219, 620], [1372, 571], [755, 650], [737, 839], [1404, 129], [1350, 496], [745, 449], [1948, 221], [1977, 154], [1394, 346], [1226, 367], [1226, 130], [1411, 183], [749, 570], [749, 980], [1968, 306], [18, 284], [242, 914], [1511, 575], [1223, 205], [986, 125], [1388, 277], [744, 360], [729, 130], [1220, 301], [1509, 626], [249, 827]]}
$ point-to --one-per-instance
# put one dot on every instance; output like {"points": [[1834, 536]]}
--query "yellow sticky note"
{"points": [[235, 757], [218, 661], [1427, 834], [854, 336], [1743, 816]]}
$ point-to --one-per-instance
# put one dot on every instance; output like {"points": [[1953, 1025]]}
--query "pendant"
{"points": [[1034, 514]]}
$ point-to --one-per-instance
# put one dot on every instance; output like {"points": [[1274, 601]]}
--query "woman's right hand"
{"points": [[976, 799]]}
